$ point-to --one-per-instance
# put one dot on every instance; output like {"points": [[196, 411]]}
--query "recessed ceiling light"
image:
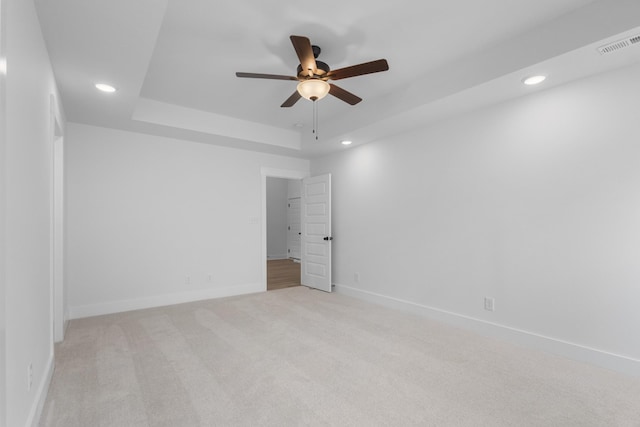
{"points": [[346, 142], [534, 80], [105, 87]]}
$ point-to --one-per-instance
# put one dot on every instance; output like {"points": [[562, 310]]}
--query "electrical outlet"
{"points": [[29, 376], [356, 277], [187, 280], [489, 304], [210, 278]]}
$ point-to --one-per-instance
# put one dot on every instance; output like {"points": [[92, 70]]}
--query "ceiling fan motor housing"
{"points": [[321, 69]]}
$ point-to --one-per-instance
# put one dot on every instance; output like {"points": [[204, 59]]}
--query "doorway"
{"points": [[316, 238], [286, 175], [283, 232]]}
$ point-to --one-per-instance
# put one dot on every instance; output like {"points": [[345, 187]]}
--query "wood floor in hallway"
{"points": [[282, 273]]}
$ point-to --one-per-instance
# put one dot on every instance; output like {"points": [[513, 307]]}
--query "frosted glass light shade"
{"points": [[313, 89]]}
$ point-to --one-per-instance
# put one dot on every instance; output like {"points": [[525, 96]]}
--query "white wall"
{"points": [[294, 188], [277, 189], [533, 202], [144, 213], [3, 207], [26, 205]]}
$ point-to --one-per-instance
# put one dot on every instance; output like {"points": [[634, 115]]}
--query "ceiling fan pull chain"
{"points": [[315, 119]]}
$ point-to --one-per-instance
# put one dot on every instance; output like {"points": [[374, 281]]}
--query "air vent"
{"points": [[620, 44]]}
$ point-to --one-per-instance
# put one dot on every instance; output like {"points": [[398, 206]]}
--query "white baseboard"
{"points": [[615, 362], [111, 307], [41, 395], [276, 257]]}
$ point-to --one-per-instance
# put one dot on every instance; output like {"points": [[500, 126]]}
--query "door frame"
{"points": [[290, 254], [271, 173], [58, 310]]}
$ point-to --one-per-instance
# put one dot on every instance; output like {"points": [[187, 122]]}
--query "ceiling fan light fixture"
{"points": [[313, 89], [312, 75]]}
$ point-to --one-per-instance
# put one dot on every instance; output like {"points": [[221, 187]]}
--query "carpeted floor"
{"points": [[297, 357]]}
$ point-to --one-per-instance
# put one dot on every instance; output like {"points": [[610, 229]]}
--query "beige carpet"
{"points": [[301, 357]]}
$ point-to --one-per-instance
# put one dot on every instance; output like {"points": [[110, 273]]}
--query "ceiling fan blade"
{"points": [[292, 99], [344, 95], [265, 76], [303, 48], [359, 70]]}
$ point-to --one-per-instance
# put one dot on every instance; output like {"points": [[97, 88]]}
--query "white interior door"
{"points": [[316, 232]]}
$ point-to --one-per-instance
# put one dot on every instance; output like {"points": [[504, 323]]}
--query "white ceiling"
{"points": [[174, 62]]}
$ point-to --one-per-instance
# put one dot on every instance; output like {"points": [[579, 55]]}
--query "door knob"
{"points": [[328, 238]]}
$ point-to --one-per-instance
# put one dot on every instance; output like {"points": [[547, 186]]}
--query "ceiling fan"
{"points": [[313, 76]]}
